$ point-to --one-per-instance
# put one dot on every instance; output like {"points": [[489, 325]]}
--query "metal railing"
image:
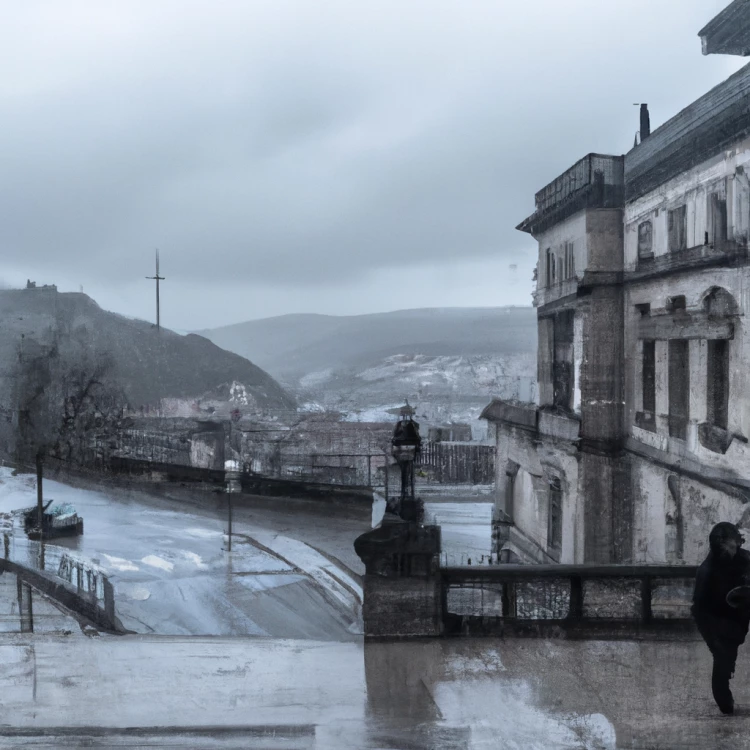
{"points": [[78, 585]]}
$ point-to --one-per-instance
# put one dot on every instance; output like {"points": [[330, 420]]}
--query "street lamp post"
{"points": [[405, 446], [232, 479]]}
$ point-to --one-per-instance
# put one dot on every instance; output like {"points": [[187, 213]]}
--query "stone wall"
{"points": [[673, 513]]}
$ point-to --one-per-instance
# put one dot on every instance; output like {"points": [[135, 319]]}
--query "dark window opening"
{"points": [[646, 419], [562, 370], [677, 227], [645, 235], [676, 304], [550, 267], [718, 218], [649, 377], [717, 386], [644, 309], [679, 388], [554, 531]]}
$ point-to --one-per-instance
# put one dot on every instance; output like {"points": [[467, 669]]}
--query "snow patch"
{"points": [[196, 559], [202, 533], [119, 563], [136, 593], [315, 378], [238, 394], [311, 406], [158, 562]]}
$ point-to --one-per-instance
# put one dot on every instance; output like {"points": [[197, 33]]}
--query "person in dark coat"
{"points": [[722, 626]]}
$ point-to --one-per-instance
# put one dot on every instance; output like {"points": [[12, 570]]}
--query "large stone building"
{"points": [[639, 440]]}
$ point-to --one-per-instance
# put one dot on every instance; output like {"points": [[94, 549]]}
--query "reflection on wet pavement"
{"points": [[459, 693]]}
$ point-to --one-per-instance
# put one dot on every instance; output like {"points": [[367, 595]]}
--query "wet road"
{"points": [[173, 574]]}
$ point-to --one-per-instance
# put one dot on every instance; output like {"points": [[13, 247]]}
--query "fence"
{"points": [[575, 599], [353, 469], [457, 463]]}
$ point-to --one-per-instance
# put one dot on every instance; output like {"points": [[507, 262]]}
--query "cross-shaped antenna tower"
{"points": [[157, 278]]}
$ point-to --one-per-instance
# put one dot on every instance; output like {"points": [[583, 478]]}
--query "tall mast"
{"points": [[157, 278]]}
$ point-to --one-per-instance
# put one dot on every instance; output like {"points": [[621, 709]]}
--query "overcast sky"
{"points": [[331, 156]]}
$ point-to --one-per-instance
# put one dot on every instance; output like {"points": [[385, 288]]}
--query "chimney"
{"points": [[645, 123]]}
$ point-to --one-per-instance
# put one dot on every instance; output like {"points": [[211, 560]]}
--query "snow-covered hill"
{"points": [[448, 362]]}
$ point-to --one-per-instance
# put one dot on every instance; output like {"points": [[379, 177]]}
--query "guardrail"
{"points": [[78, 586], [567, 600]]}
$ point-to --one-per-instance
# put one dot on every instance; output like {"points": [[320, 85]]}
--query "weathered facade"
{"points": [[552, 456], [639, 440]]}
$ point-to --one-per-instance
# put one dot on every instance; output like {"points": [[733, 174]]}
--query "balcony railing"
{"points": [[612, 601]]}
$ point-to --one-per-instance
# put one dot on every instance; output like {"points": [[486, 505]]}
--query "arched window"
{"points": [[718, 303], [645, 240]]}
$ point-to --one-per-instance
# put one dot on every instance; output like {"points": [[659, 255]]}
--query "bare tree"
{"points": [[60, 399]]}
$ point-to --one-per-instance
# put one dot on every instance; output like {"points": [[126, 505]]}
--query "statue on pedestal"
{"points": [[405, 446]]}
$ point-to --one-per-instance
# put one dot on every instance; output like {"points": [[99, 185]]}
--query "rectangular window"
{"points": [[649, 378], [679, 387], [550, 276], [562, 366], [570, 267], [645, 235], [677, 226], [676, 304], [717, 386], [718, 218]]}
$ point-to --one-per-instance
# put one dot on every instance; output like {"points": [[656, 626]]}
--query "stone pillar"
{"points": [[402, 585]]}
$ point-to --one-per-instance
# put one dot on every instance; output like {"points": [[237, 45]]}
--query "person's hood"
{"points": [[719, 533]]}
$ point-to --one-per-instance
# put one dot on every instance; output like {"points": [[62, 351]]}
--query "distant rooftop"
{"points": [[596, 181], [729, 32]]}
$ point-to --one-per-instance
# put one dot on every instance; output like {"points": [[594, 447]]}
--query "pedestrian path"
{"points": [[457, 694]]}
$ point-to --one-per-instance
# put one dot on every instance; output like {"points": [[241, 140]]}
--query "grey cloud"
{"points": [[298, 143]]}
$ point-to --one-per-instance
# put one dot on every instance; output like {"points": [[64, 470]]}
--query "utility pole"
{"points": [[39, 493], [157, 278]]}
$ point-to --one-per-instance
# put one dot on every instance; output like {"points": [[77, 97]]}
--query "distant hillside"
{"points": [[150, 364], [449, 362], [293, 346]]}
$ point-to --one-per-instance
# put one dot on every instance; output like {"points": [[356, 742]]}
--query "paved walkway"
{"points": [[150, 691]]}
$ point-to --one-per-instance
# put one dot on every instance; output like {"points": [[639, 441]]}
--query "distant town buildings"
{"points": [[638, 441]]}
